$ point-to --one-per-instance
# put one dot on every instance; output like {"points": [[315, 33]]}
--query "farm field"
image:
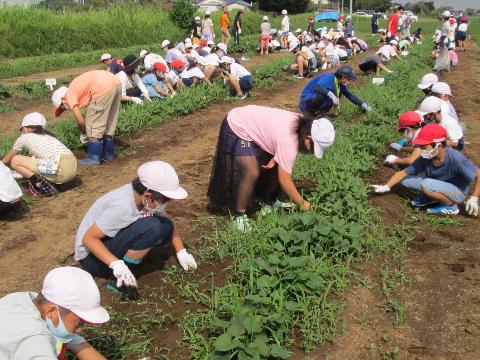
{"points": [[384, 282]]}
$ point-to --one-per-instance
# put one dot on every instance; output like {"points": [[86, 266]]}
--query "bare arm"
{"points": [[289, 188], [396, 178], [476, 190], [7, 158], [160, 90], [409, 160], [382, 67], [93, 242], [176, 239], [87, 352], [79, 118]]}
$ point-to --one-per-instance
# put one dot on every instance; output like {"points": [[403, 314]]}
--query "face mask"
{"points": [[60, 332], [157, 210], [430, 154], [409, 134]]}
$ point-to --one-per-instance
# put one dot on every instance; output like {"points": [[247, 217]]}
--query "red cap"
{"points": [[310, 18], [431, 133], [340, 18], [177, 64], [160, 66], [203, 43], [408, 119], [452, 20]]}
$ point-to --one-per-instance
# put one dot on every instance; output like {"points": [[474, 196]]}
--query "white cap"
{"points": [[386, 54], [393, 42], [293, 45], [226, 60], [223, 47], [187, 40], [323, 135], [427, 81], [195, 46], [143, 53], [74, 289], [188, 45], [165, 43], [58, 95], [265, 18], [298, 30], [284, 12], [202, 60], [34, 119], [431, 104], [105, 57], [441, 88], [208, 12], [161, 177], [446, 13], [210, 42], [328, 37], [197, 18]]}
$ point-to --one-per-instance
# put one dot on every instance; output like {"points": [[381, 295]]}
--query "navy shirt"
{"points": [[238, 20], [116, 66], [456, 169]]}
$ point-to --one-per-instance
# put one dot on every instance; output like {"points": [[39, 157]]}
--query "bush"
{"points": [[182, 14]]}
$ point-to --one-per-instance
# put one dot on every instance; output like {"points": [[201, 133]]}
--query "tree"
{"points": [[423, 8], [377, 5], [182, 14], [293, 6]]}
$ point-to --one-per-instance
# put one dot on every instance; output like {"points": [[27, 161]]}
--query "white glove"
{"points": [[390, 159], [472, 206], [186, 260], [137, 100], [389, 34], [390, 71], [366, 107], [333, 97], [83, 138], [239, 31], [396, 146], [123, 274], [147, 97], [380, 189]]}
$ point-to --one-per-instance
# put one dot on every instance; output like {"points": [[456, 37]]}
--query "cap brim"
{"points": [[59, 111], [94, 316], [418, 141], [134, 64], [352, 77], [318, 150], [423, 86], [421, 113], [178, 194]]}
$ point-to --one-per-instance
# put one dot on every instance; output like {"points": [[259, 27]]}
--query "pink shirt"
{"points": [[271, 129], [89, 85]]}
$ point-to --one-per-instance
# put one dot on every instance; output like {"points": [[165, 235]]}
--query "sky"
{"points": [[456, 4]]}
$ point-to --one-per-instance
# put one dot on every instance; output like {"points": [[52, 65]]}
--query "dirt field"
{"points": [[442, 297]]}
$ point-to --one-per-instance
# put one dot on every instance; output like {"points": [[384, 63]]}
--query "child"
{"points": [[50, 160], [10, 192], [192, 74], [237, 76]]}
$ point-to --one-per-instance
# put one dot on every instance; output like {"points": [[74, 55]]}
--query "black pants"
{"points": [[374, 28], [135, 91], [368, 66], [236, 36]]}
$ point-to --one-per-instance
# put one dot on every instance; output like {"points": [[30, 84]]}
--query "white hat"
{"points": [[328, 37], [441, 88], [431, 104], [143, 53], [197, 18], [393, 42], [58, 95], [293, 45], [195, 46], [446, 13], [427, 81], [161, 177], [284, 12], [74, 289], [34, 119], [105, 57], [208, 12], [210, 42], [298, 30], [223, 47], [188, 45], [187, 40], [323, 135], [386, 54], [226, 60], [265, 18], [165, 43]]}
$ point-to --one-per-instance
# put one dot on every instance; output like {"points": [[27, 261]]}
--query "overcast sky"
{"points": [[456, 4]]}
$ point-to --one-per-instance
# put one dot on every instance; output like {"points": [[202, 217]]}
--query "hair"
{"points": [[400, 8], [129, 72], [37, 129], [141, 189], [304, 129], [41, 300]]}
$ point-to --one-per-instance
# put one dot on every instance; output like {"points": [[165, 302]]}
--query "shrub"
{"points": [[182, 14]]}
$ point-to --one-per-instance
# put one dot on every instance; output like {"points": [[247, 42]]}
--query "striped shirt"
{"points": [[40, 146]]}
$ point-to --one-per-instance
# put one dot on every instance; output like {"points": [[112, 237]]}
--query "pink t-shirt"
{"points": [[89, 85], [271, 129]]}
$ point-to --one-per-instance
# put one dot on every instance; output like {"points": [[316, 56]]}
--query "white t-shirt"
{"points": [[193, 72], [275, 44], [172, 75], [238, 70], [454, 131], [151, 59], [448, 109], [463, 27], [193, 55], [24, 334], [208, 49], [175, 54], [211, 59], [285, 24], [9, 189], [391, 50], [112, 212], [128, 83], [310, 54], [341, 52], [40, 146]]}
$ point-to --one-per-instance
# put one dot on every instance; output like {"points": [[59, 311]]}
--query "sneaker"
{"points": [[244, 95], [242, 223], [127, 292], [423, 201], [38, 184], [298, 76], [315, 70], [443, 210]]}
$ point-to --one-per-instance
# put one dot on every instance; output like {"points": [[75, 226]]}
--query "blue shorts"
{"points": [[246, 83], [188, 82], [431, 185], [235, 146]]}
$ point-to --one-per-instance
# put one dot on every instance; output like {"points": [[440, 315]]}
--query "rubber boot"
{"points": [[94, 153], [108, 148]]}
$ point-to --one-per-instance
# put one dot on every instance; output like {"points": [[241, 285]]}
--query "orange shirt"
{"points": [[89, 85], [224, 21]]}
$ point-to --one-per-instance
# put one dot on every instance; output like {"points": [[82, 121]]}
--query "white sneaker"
{"points": [[242, 223]]}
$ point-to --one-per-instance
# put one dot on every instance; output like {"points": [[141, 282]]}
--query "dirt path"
{"points": [[442, 295]]}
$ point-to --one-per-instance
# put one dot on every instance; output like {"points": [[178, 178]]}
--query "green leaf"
{"points": [[261, 341], [216, 322], [224, 343], [283, 235], [236, 329], [266, 281], [279, 352], [309, 218], [253, 324], [242, 355], [297, 261], [273, 259]]}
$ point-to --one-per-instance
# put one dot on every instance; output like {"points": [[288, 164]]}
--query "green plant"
{"points": [[182, 14]]}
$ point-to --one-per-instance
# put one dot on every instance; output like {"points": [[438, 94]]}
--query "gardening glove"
{"points": [[380, 189], [239, 31], [122, 273], [137, 100], [334, 98], [366, 107], [186, 260], [147, 97], [396, 146], [390, 71], [472, 206], [83, 138], [390, 159]]}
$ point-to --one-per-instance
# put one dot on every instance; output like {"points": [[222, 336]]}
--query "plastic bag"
{"points": [[453, 58], [443, 60]]}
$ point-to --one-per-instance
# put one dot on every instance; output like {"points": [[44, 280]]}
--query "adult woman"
{"points": [[132, 85], [237, 26], [255, 139], [50, 160], [207, 27]]}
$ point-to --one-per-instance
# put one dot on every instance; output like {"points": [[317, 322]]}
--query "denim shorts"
{"points": [[431, 185], [246, 83]]}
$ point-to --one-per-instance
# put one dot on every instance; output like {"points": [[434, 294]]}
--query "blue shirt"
{"points": [[150, 81], [320, 86], [456, 169]]}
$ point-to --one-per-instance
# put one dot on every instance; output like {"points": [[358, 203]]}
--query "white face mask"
{"points": [[160, 208], [430, 154], [410, 134]]}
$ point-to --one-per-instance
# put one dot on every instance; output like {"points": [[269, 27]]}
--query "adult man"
{"points": [[324, 91], [441, 174], [114, 65], [374, 23], [100, 92], [224, 26], [284, 30], [392, 24], [237, 26], [155, 81], [122, 226], [45, 325]]}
